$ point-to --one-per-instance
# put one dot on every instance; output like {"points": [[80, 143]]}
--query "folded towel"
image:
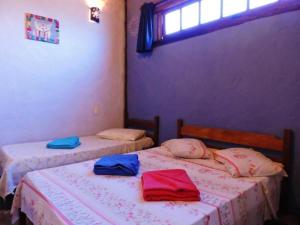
{"points": [[123, 165], [64, 143], [169, 185]]}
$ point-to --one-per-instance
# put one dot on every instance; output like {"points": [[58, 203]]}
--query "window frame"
{"points": [[164, 15], [282, 6], [190, 3], [237, 13], [221, 14]]}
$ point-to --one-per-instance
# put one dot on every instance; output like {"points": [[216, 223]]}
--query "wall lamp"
{"points": [[95, 14], [96, 7]]}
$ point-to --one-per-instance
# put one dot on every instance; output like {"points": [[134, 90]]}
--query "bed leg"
{"points": [[22, 218]]}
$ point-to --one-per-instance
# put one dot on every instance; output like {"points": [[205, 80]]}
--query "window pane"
{"points": [[258, 3], [190, 15], [231, 7], [210, 10], [172, 22]]}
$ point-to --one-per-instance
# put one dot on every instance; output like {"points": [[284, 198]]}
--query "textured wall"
{"points": [[246, 77], [51, 90]]}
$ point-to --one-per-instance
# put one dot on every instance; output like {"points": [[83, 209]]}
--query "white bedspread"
{"points": [[16, 160], [73, 194]]}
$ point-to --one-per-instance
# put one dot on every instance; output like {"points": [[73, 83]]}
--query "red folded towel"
{"points": [[169, 185]]}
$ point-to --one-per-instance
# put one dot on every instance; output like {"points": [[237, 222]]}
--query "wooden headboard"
{"points": [[278, 149], [151, 127]]}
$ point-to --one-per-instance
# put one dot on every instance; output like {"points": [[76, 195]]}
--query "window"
{"points": [[172, 22], [258, 3], [184, 18], [232, 7], [180, 19], [190, 15], [210, 10]]}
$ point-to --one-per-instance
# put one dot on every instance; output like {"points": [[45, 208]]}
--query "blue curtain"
{"points": [[146, 28]]}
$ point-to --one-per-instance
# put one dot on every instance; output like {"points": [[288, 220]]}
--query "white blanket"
{"points": [[16, 160]]}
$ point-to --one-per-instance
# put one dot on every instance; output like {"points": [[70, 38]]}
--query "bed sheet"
{"points": [[19, 159], [73, 194]]}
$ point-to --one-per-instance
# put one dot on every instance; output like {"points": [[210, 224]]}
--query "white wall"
{"points": [[49, 90]]}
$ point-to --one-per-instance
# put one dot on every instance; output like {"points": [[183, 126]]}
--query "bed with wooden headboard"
{"points": [[151, 127], [39, 157], [278, 149], [118, 200]]}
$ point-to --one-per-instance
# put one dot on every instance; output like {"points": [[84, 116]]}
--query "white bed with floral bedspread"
{"points": [[19, 159], [73, 194]]}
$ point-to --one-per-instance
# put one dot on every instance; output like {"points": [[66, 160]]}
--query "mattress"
{"points": [[73, 194], [16, 160]]}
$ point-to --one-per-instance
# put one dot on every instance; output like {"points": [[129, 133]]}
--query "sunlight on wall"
{"points": [[95, 3]]}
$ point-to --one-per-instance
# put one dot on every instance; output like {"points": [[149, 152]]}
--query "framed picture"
{"points": [[40, 28]]}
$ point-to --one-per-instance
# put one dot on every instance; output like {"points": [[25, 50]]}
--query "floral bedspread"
{"points": [[19, 159], [73, 194]]}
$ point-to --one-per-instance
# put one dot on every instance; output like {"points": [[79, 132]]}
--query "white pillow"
{"points": [[122, 134], [245, 162], [188, 148]]}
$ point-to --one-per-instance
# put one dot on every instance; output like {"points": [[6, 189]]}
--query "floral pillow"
{"points": [[244, 162], [188, 148]]}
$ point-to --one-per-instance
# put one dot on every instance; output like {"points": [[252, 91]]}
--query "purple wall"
{"points": [[246, 77]]}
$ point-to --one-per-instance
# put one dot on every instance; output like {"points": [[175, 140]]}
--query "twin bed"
{"points": [[17, 160], [73, 194]]}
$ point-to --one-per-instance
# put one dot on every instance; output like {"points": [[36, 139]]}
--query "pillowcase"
{"points": [[210, 163], [245, 162], [122, 134], [188, 148]]}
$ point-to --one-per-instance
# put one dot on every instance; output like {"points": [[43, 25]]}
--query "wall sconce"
{"points": [[96, 7], [95, 14]]}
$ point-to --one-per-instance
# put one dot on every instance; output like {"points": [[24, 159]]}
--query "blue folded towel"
{"points": [[123, 165], [64, 143]]}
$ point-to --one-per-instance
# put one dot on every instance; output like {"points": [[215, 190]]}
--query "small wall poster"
{"points": [[41, 28]]}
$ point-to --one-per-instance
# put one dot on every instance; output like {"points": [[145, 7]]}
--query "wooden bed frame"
{"points": [[220, 138], [151, 127], [278, 149], [152, 130]]}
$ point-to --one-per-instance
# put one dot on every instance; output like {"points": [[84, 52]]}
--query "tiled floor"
{"points": [[4, 218], [289, 219]]}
